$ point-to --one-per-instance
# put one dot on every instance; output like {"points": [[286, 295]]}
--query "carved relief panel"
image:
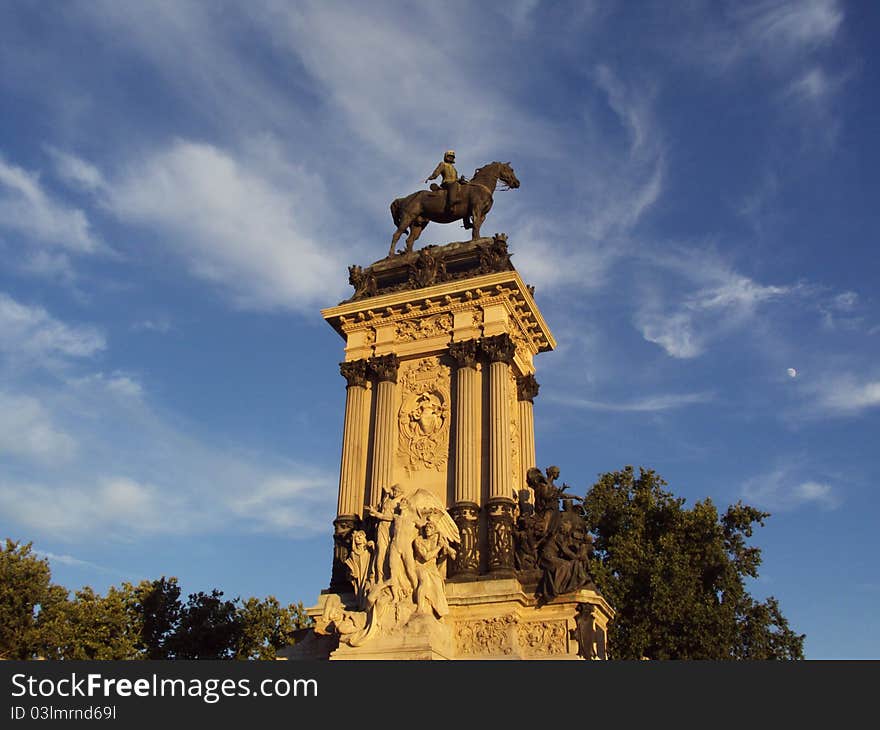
{"points": [[424, 416]]}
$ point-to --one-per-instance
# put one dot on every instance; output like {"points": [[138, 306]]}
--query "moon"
{"points": [[792, 373]]}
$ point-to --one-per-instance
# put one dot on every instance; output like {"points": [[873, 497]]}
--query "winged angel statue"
{"points": [[396, 571]]}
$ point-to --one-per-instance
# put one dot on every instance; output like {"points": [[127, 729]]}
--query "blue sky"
{"points": [[182, 186]]}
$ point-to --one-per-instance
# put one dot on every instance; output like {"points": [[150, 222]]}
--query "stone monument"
{"points": [[449, 542]]}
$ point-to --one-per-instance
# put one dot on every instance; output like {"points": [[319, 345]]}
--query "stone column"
{"points": [[384, 370], [352, 470], [499, 350], [466, 509], [526, 392]]}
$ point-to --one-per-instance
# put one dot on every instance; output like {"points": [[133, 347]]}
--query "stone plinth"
{"points": [[489, 619]]}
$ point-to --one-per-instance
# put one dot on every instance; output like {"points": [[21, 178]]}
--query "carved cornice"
{"points": [[527, 388], [384, 368], [500, 348], [464, 353], [414, 313], [354, 372]]}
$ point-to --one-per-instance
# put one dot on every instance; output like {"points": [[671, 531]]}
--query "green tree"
{"points": [[26, 593], [157, 609], [209, 628], [676, 576], [143, 621], [267, 626], [91, 626]]}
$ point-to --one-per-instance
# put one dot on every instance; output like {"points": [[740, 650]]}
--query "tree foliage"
{"points": [[676, 576], [144, 621]]}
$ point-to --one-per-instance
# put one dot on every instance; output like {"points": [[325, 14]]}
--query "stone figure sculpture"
{"points": [[401, 561], [360, 564], [470, 202], [585, 631], [554, 540], [429, 548], [415, 535], [564, 563], [384, 516], [525, 538]]}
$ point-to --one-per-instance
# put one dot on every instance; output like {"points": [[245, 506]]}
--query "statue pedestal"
{"points": [[488, 619], [437, 499], [422, 637]]}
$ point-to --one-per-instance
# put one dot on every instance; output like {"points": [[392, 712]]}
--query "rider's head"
{"points": [[449, 156]]}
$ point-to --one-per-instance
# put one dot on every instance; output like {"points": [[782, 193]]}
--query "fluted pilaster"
{"points": [[352, 471], [499, 350]]}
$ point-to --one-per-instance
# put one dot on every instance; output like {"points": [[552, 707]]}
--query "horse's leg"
{"points": [[415, 230], [406, 222], [477, 221], [394, 240]]}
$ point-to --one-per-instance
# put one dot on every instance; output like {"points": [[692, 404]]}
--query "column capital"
{"points": [[527, 388], [354, 372], [384, 367], [498, 348], [464, 352]]}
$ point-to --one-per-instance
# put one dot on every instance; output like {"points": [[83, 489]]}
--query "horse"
{"points": [[415, 211]]}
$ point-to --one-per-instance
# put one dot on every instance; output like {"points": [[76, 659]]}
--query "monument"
{"points": [[449, 542]]}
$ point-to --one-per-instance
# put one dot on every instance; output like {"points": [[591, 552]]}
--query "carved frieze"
{"points": [[487, 637], [543, 637], [409, 330], [423, 418]]}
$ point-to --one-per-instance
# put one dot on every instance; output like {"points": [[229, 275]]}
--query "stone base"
{"points": [[488, 619], [423, 637]]}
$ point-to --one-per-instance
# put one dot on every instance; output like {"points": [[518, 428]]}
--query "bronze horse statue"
{"points": [[415, 211]]}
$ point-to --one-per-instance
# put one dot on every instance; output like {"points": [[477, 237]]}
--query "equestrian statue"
{"points": [[456, 198]]}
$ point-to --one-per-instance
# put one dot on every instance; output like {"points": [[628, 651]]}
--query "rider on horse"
{"points": [[451, 182]]}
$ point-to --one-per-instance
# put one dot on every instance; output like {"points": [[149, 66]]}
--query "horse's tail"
{"points": [[395, 210]]}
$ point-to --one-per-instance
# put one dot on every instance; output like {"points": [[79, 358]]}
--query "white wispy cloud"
{"points": [[27, 430], [75, 171], [844, 394], [723, 301], [116, 506], [782, 490], [649, 404], [30, 332], [233, 225], [27, 208], [74, 562], [782, 30], [132, 471]]}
